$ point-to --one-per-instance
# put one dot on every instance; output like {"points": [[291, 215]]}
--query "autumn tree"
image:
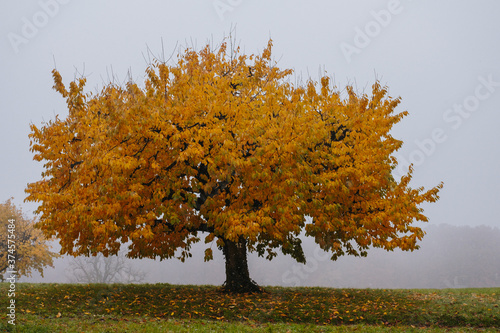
{"points": [[221, 145], [24, 248]]}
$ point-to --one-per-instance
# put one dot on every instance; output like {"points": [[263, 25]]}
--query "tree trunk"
{"points": [[237, 276]]}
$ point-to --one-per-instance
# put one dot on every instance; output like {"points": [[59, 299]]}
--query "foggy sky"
{"points": [[442, 58]]}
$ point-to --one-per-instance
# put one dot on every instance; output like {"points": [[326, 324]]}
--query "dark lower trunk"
{"points": [[237, 276]]}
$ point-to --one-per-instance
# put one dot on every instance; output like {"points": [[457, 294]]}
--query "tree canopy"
{"points": [[24, 247], [224, 143]]}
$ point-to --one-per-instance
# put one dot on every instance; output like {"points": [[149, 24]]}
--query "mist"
{"points": [[441, 58], [449, 257]]}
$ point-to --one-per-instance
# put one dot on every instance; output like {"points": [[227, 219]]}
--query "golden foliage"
{"points": [[222, 142], [22, 245]]}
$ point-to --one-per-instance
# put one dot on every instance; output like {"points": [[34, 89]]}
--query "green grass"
{"points": [[172, 308]]}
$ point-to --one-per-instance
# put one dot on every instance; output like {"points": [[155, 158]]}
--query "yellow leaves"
{"points": [[31, 250], [220, 242], [142, 233], [58, 85], [221, 141], [208, 255], [209, 238]]}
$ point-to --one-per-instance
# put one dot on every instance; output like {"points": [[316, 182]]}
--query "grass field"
{"points": [[172, 308]]}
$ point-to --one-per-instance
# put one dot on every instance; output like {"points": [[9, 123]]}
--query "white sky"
{"points": [[435, 55]]}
